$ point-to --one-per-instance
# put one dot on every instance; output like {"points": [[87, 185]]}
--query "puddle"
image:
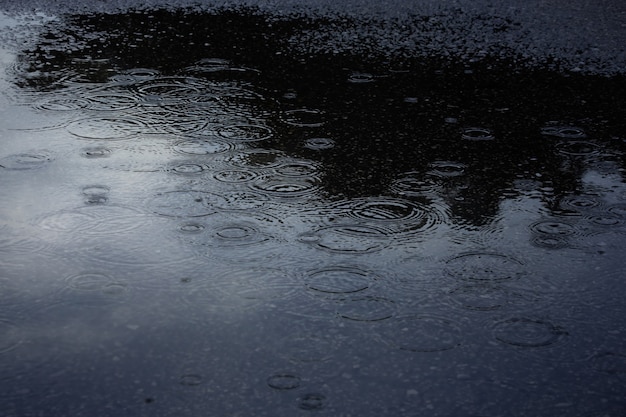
{"points": [[306, 230]]}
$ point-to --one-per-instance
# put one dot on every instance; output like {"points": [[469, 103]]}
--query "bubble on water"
{"points": [[484, 266], [564, 132], [477, 134], [245, 133], [186, 203], [190, 380], [366, 309], [235, 176], [528, 333], [303, 117], [348, 238], [61, 104], [106, 128], [102, 102], [420, 333], [552, 228], [28, 160], [319, 144], [96, 152], [202, 147], [10, 335], [283, 381], [339, 280], [312, 401], [446, 169], [578, 148], [613, 363]]}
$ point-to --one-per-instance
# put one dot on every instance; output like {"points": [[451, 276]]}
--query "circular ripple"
{"points": [[415, 184], [62, 104], [303, 118], [256, 158], [578, 148], [618, 210], [609, 362], [319, 144], [360, 78], [446, 169], [202, 147], [186, 203], [106, 128], [348, 239], [245, 133], [93, 220], [242, 200], [487, 297], [297, 169], [283, 382], [549, 242], [484, 266], [312, 402], [111, 102], [421, 334], [257, 285], [237, 234], [25, 161], [89, 281], [564, 132], [579, 202], [188, 169], [287, 187], [366, 309], [338, 280], [95, 152], [553, 228], [528, 333], [190, 380], [477, 134], [234, 176]]}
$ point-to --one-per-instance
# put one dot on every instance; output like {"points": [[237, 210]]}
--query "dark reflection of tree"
{"points": [[410, 115]]}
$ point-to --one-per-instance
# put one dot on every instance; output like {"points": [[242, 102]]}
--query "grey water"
{"points": [[195, 222]]}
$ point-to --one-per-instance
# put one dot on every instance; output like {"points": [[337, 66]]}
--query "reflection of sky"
{"points": [[137, 275]]}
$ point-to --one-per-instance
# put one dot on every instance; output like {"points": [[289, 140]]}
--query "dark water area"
{"points": [[198, 219]]}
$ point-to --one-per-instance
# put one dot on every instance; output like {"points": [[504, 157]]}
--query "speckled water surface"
{"points": [[312, 210]]}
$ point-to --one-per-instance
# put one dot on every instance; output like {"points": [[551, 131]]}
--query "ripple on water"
{"points": [[202, 147], [10, 335], [361, 78], [186, 203], [235, 176], [578, 148], [190, 380], [256, 158], [339, 281], [93, 220], [288, 187], [102, 102], [106, 128], [304, 117], [256, 285], [613, 363], [62, 104], [319, 144], [95, 152], [312, 402], [348, 238], [553, 228], [245, 133], [420, 333], [484, 266], [528, 333], [28, 160], [477, 134], [95, 194], [446, 169], [133, 76], [486, 296], [563, 132], [187, 168], [416, 184], [283, 381], [580, 203]]}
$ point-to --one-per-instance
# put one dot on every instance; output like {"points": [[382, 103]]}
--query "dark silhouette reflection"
{"points": [[387, 117]]}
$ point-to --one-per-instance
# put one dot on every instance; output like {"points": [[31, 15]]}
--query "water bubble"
{"points": [[25, 161], [420, 333], [484, 266], [312, 402], [303, 118], [283, 381], [186, 203], [348, 238], [564, 132], [526, 332], [338, 280], [477, 134], [366, 309], [106, 128], [202, 147], [246, 133], [319, 144]]}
